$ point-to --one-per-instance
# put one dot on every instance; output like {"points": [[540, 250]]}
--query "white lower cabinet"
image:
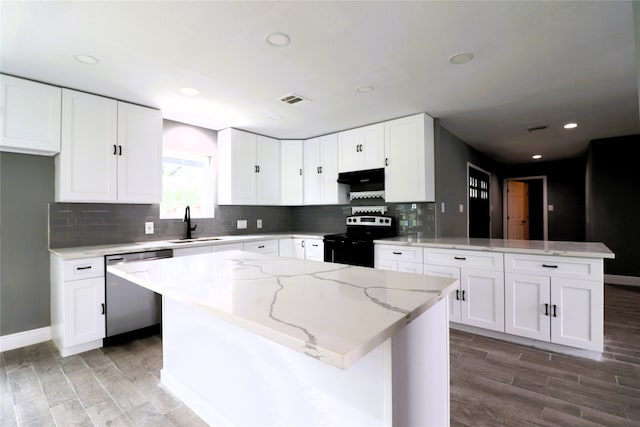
{"points": [[555, 299], [479, 300], [406, 259], [77, 304], [311, 249], [207, 249], [265, 247]]}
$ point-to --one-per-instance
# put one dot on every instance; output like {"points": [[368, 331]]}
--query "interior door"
{"points": [[517, 210]]}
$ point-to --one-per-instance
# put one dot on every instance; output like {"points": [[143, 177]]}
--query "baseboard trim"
{"points": [[23, 339], [615, 279]]}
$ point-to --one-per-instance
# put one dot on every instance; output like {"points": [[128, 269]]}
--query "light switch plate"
{"points": [[461, 208], [148, 228], [550, 208], [241, 223], [259, 223]]}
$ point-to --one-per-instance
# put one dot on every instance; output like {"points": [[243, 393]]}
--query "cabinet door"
{"points": [[299, 248], [349, 144], [454, 297], [410, 267], [385, 264], [139, 154], [237, 167], [291, 180], [482, 295], [577, 313], [311, 172], [86, 169], [409, 171], [372, 149], [83, 311], [527, 306], [30, 121], [227, 247], [314, 249], [268, 176], [331, 192]]}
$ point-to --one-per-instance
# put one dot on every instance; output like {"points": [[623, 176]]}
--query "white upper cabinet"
{"points": [[361, 148], [409, 153], [140, 163], [321, 172], [30, 116], [111, 151], [248, 169], [291, 179]]}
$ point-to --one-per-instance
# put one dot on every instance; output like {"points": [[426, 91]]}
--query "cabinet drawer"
{"points": [[399, 253], [83, 268], [586, 268], [460, 258], [262, 246]]}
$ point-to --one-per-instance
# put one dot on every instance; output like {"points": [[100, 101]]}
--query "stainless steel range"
{"points": [[355, 247]]}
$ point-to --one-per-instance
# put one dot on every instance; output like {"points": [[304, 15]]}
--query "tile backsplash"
{"points": [[87, 224]]}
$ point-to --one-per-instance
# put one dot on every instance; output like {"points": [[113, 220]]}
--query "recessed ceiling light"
{"points": [[276, 117], [189, 91], [365, 88], [461, 58], [536, 156], [571, 125], [278, 39], [86, 59]]}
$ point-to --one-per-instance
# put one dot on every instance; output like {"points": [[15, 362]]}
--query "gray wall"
{"points": [[613, 204], [565, 191], [26, 187], [451, 157]]}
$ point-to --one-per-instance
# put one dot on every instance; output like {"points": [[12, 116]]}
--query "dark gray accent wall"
{"points": [[613, 204], [565, 191], [26, 188], [451, 157]]}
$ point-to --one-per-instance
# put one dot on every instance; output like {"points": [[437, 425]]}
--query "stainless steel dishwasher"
{"points": [[131, 311]]}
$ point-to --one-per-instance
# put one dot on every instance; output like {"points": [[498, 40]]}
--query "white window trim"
{"points": [[209, 186]]}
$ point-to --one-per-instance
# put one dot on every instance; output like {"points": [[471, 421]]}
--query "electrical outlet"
{"points": [[259, 223], [148, 228], [461, 208], [442, 206], [241, 223]]}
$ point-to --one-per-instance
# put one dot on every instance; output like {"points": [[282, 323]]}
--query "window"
{"points": [[187, 180]]}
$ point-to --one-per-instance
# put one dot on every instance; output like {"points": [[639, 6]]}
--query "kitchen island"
{"points": [[262, 340]]}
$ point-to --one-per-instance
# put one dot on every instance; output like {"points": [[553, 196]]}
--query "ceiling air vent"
{"points": [[292, 98]]}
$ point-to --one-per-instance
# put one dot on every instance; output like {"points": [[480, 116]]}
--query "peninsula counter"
{"points": [[263, 340]]}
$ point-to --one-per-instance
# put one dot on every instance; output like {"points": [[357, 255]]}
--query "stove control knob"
{"points": [[387, 220]]}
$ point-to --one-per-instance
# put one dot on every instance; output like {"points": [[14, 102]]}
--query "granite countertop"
{"points": [[332, 312], [532, 247], [102, 250]]}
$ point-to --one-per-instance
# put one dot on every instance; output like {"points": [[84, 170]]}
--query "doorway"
{"points": [[524, 201], [478, 202]]}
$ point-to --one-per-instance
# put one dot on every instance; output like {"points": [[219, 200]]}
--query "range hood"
{"points": [[370, 176]]}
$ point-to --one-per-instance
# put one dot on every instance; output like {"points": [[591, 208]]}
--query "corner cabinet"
{"points": [[29, 116], [555, 299], [409, 159], [77, 304], [111, 151], [248, 169], [361, 148], [291, 178], [321, 172], [479, 301]]}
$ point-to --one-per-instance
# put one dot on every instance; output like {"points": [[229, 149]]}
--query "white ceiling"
{"points": [[536, 63]]}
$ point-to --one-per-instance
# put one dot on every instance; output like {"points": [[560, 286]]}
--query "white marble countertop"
{"points": [[332, 312], [533, 247], [102, 250]]}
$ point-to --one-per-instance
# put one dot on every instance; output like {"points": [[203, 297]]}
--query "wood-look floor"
{"points": [[493, 383]]}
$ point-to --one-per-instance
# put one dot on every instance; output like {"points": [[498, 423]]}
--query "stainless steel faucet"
{"points": [[187, 219]]}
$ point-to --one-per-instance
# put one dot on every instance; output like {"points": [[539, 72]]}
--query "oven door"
{"points": [[349, 251]]}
